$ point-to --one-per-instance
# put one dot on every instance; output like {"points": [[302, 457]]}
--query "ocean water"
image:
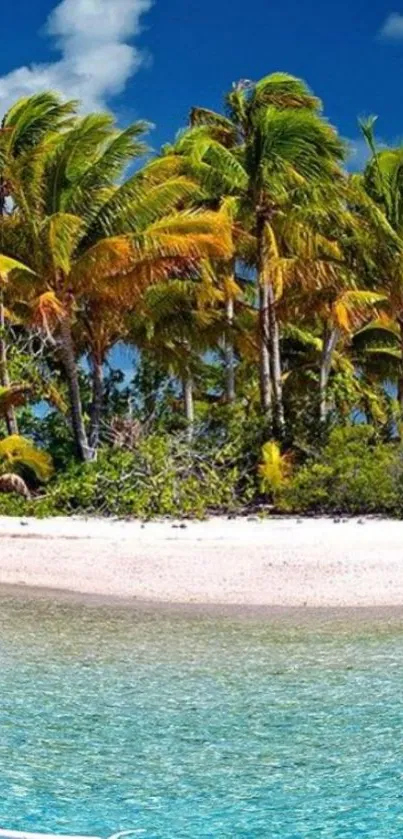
{"points": [[191, 725]]}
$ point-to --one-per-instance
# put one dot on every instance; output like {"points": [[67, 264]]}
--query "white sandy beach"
{"points": [[279, 562]]}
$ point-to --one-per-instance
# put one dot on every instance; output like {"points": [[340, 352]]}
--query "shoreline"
{"points": [[219, 563], [293, 616]]}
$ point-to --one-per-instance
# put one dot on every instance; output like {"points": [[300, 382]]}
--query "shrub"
{"points": [[354, 474], [161, 477]]}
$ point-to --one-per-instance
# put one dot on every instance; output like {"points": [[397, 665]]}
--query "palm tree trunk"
{"points": [[274, 335], [330, 339], [229, 356], [270, 353], [264, 353], [270, 361], [97, 402], [71, 371], [11, 421], [187, 386]]}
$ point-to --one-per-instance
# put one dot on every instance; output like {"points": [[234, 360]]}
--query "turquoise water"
{"points": [[200, 726]]}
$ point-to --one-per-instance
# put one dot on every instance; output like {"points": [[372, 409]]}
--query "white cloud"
{"points": [[393, 27], [359, 154], [97, 58]]}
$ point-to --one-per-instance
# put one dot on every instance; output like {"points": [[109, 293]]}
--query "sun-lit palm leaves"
{"points": [[16, 452], [271, 150], [20, 460], [244, 238], [287, 151], [175, 322], [382, 182], [281, 162], [81, 225], [282, 91], [31, 119], [274, 469]]}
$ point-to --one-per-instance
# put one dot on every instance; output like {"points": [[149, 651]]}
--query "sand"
{"points": [[278, 562]]}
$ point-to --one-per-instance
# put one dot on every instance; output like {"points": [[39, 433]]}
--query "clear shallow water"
{"points": [[199, 726]]}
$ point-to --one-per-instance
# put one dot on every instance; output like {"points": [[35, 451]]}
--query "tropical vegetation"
{"points": [[214, 327]]}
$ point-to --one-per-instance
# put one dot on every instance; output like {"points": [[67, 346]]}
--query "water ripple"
{"points": [[199, 727]]}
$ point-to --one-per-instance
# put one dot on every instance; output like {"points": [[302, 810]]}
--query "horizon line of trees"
{"points": [[243, 262]]}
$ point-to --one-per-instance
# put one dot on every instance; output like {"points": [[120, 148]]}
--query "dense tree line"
{"points": [[258, 283]]}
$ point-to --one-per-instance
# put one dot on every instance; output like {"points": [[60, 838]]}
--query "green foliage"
{"points": [[354, 474], [160, 478], [244, 267], [15, 505]]}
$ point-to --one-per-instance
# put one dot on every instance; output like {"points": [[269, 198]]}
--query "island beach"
{"points": [[242, 562]]}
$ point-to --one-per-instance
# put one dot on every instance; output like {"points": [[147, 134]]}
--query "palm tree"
{"points": [[194, 154], [321, 277], [7, 266], [273, 144], [175, 324], [81, 228], [383, 185]]}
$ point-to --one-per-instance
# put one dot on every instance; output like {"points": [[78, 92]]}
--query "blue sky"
{"points": [[156, 59]]}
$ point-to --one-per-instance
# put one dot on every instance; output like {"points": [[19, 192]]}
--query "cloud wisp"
{"points": [[97, 57], [359, 154], [392, 29]]}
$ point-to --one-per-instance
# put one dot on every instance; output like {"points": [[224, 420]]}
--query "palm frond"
{"points": [[297, 140], [74, 153], [274, 469], [156, 202], [8, 264], [283, 91], [118, 151], [17, 452], [61, 233], [192, 235], [223, 128], [32, 118], [353, 306]]}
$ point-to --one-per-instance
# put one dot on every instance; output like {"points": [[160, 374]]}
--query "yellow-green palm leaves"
{"points": [[274, 469], [17, 453], [273, 149], [83, 227]]}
